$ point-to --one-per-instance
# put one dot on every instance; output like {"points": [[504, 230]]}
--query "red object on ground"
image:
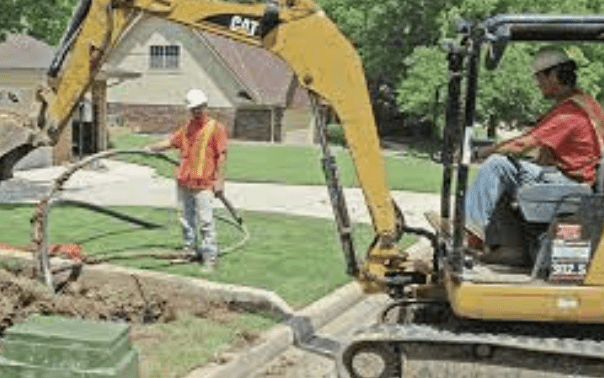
{"points": [[71, 251]]}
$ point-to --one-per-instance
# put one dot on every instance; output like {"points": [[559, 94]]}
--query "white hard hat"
{"points": [[549, 57], [195, 98]]}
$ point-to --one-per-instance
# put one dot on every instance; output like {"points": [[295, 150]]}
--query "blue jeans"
{"points": [[195, 209], [499, 178]]}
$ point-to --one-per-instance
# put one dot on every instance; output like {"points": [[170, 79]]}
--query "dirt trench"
{"points": [[113, 300]]}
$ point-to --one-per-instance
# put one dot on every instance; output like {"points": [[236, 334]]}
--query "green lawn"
{"points": [[299, 165], [174, 349], [279, 256]]}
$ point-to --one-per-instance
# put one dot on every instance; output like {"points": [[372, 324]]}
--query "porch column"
{"points": [[99, 103]]}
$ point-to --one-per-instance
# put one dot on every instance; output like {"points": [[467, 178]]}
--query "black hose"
{"points": [[44, 206], [104, 210]]}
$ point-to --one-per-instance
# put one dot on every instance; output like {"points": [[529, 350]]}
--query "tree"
{"points": [[426, 74], [385, 32], [43, 19], [507, 94]]}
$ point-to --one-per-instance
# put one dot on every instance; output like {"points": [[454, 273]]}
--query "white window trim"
{"points": [[165, 57]]}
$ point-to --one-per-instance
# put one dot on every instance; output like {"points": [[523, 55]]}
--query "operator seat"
{"points": [[540, 203]]}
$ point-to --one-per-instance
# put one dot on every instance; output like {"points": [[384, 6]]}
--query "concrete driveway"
{"points": [[119, 183]]}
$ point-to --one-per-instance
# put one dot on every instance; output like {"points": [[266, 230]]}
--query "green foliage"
{"points": [[386, 31], [45, 20], [335, 135], [426, 74], [508, 94]]}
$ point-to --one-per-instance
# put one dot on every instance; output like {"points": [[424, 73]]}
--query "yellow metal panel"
{"points": [[77, 72], [595, 272], [526, 302], [193, 12], [333, 70]]}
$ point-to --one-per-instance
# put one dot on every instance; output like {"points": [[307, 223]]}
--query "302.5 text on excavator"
{"points": [[456, 317]]}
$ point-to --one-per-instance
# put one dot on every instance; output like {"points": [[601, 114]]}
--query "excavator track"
{"points": [[460, 349]]}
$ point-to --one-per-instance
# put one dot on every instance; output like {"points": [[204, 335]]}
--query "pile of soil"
{"points": [[21, 295]]}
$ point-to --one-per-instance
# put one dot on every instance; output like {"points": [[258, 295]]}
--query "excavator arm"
{"points": [[297, 31]]}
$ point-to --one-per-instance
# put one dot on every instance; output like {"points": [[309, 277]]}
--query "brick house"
{"points": [[251, 91]]}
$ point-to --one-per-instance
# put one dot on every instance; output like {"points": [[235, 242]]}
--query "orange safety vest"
{"points": [[595, 113]]}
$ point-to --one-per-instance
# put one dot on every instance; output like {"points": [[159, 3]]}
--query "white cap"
{"points": [[195, 98], [549, 57]]}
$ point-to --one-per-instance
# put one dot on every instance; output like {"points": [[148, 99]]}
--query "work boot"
{"points": [[208, 266]]}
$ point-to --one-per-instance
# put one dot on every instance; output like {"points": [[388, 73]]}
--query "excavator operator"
{"points": [[568, 142]]}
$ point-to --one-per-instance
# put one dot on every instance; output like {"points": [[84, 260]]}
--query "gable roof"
{"points": [[247, 75], [23, 51], [264, 74]]}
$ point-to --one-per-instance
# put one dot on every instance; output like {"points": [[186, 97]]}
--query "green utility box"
{"points": [[58, 347]]}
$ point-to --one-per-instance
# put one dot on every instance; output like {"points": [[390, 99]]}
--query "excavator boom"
{"points": [[297, 31]]}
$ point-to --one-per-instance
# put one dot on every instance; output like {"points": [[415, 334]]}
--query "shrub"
{"points": [[335, 134]]}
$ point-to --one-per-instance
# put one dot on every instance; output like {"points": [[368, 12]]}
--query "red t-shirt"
{"points": [[569, 135], [201, 141]]}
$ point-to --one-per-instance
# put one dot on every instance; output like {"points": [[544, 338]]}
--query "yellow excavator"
{"points": [[453, 316]]}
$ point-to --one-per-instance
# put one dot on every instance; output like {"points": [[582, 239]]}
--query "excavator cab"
{"points": [[560, 222], [470, 318]]}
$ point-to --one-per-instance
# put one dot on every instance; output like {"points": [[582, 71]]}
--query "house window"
{"points": [[164, 56]]}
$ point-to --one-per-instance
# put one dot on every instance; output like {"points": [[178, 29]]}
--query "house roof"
{"points": [[23, 51], [265, 75], [248, 75]]}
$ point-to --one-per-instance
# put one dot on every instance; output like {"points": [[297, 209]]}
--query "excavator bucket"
{"points": [[15, 143]]}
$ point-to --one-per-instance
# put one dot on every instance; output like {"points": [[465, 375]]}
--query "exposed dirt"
{"points": [[121, 298], [21, 295]]}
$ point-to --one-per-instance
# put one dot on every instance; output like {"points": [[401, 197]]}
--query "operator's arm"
{"points": [[514, 147]]}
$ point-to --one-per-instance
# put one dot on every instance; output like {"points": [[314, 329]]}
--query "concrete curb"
{"points": [[281, 337]]}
